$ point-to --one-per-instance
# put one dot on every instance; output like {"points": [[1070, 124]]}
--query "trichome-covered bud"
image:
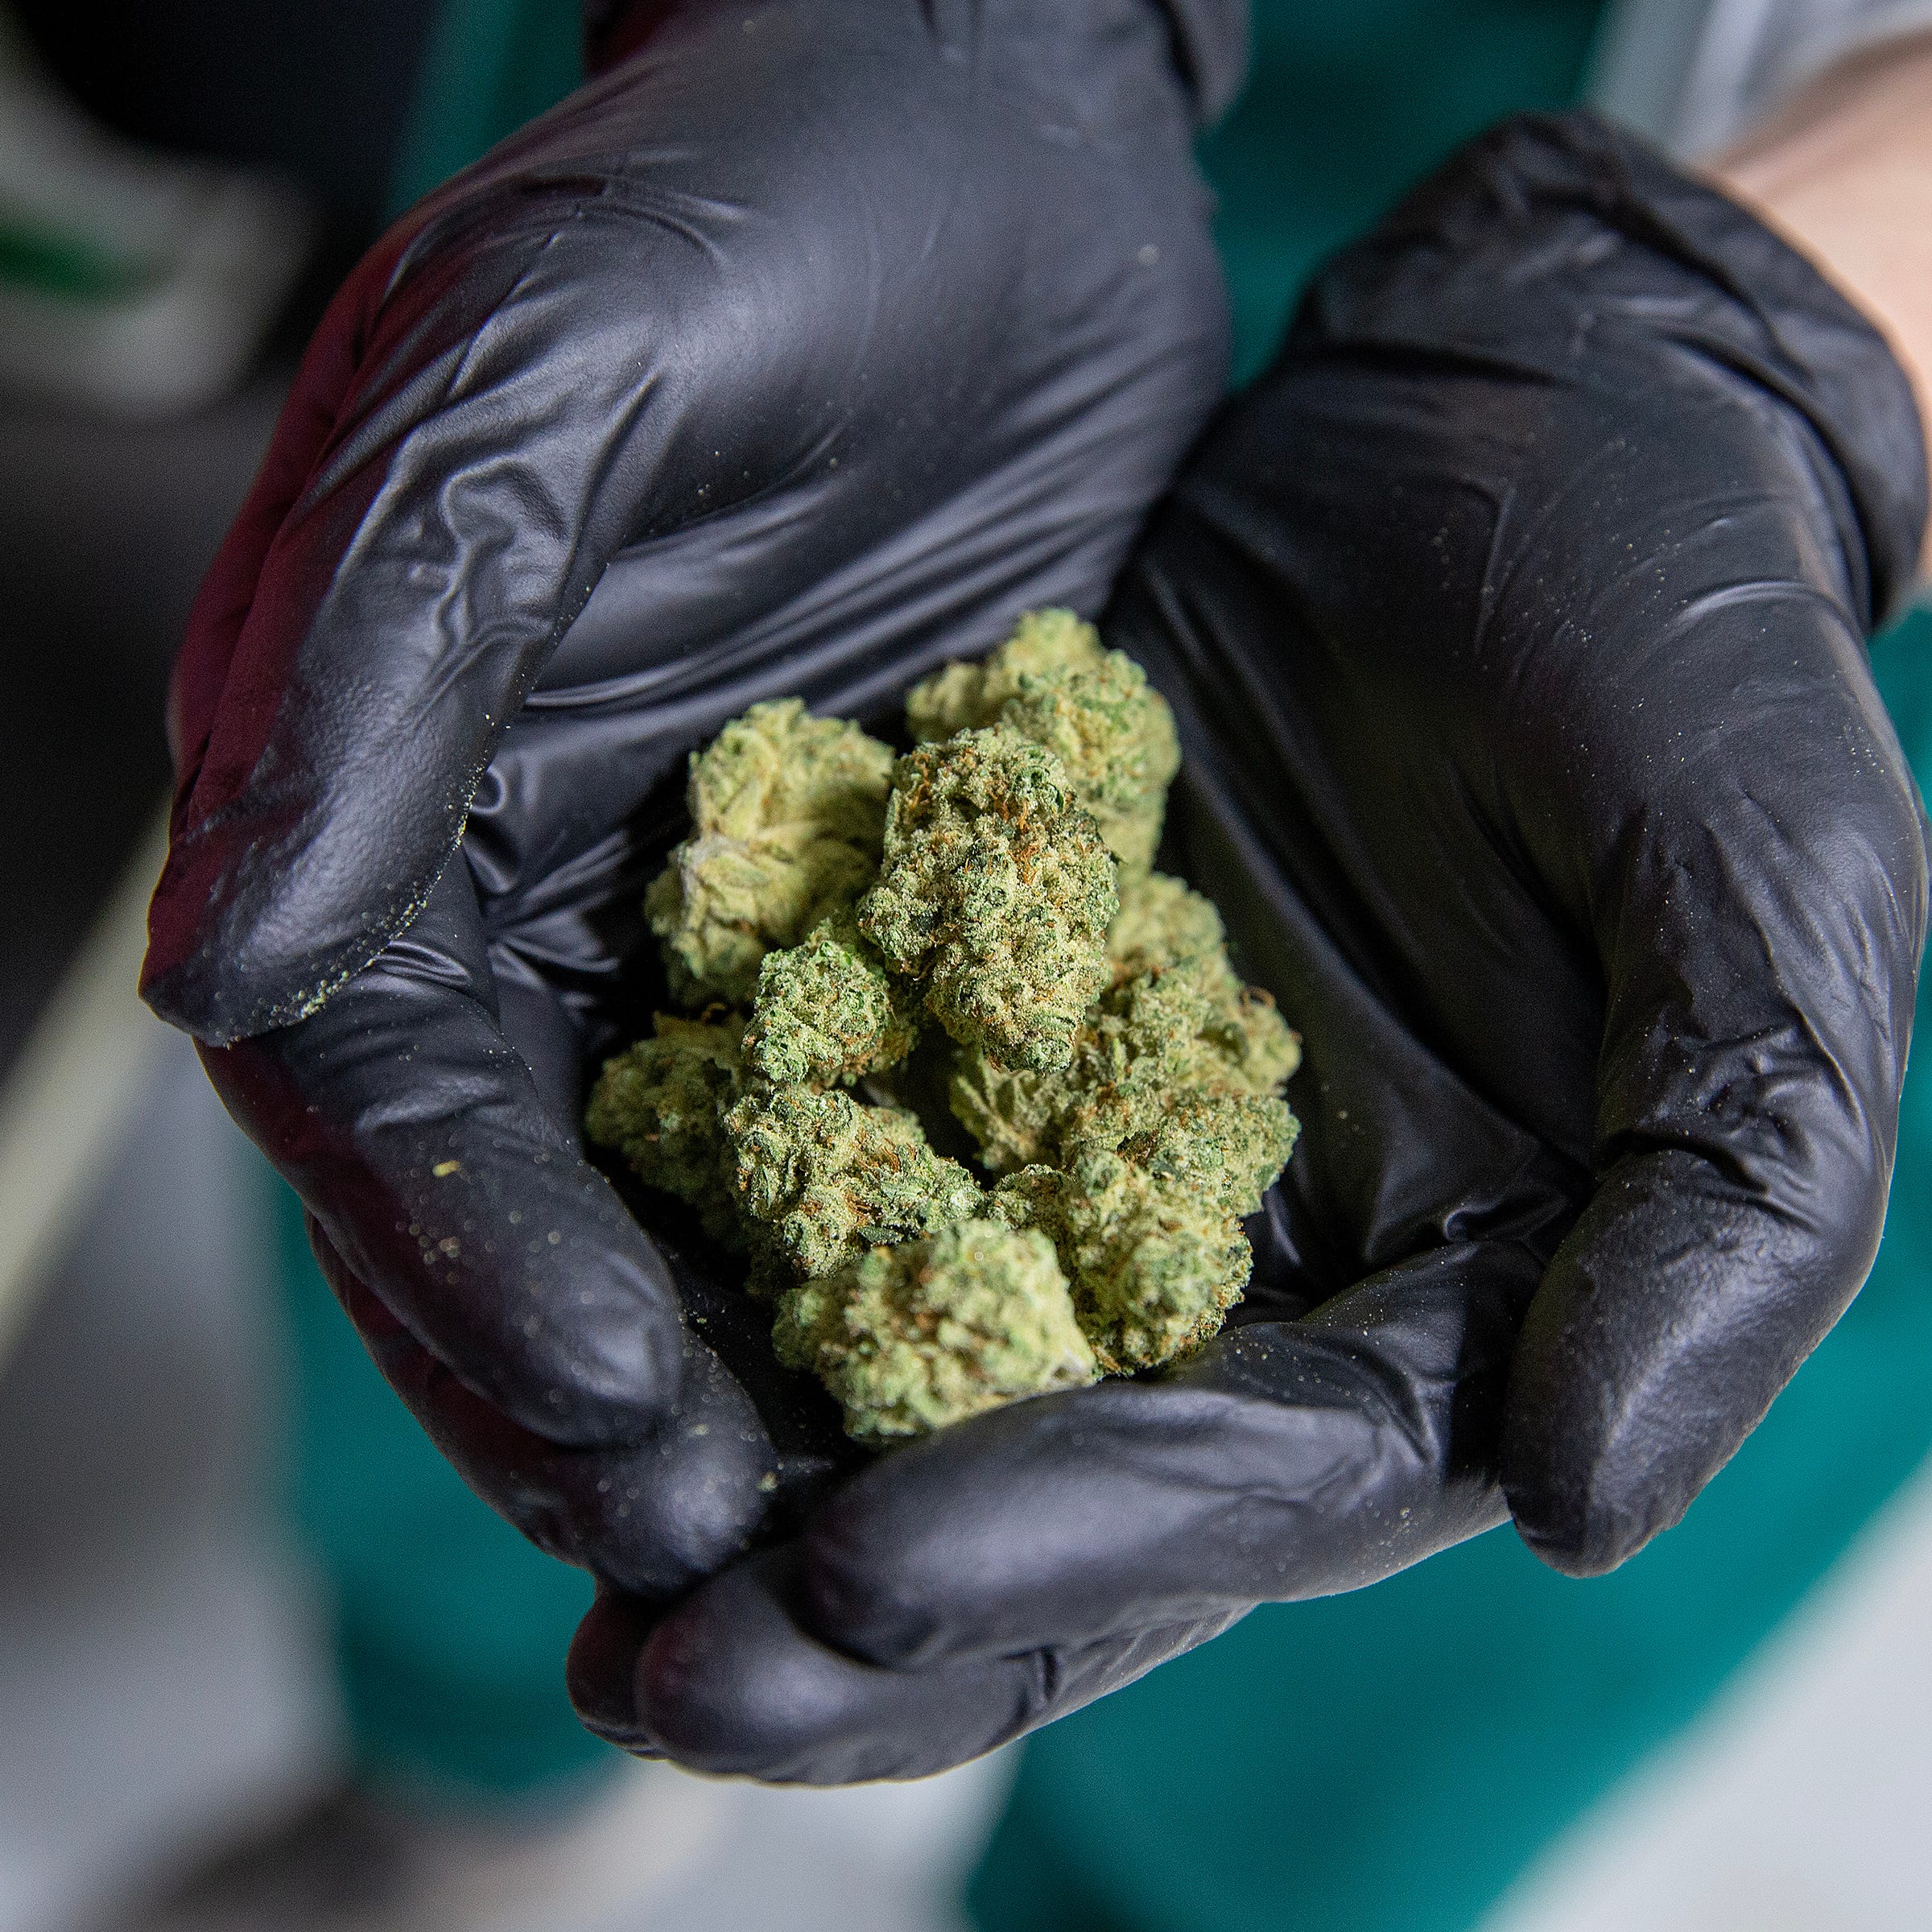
{"points": [[658, 1103], [1163, 923], [1154, 1263], [832, 1176], [1148, 1045], [1115, 734], [997, 890], [911, 1338], [1261, 1048], [1229, 1148], [1109, 1062], [787, 811], [828, 1013], [965, 697], [1092, 708]]}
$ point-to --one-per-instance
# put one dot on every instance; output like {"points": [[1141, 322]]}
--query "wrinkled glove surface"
{"points": [[1514, 623], [803, 350]]}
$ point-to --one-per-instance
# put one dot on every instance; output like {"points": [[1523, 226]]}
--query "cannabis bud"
{"points": [[913, 1337], [1119, 1082], [996, 892], [661, 1103], [787, 811], [827, 1011], [833, 1177]]}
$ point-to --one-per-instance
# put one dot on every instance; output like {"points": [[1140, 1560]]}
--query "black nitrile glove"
{"points": [[1514, 623], [805, 348]]}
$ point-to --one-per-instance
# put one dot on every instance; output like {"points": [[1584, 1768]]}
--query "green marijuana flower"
{"points": [[786, 814], [996, 891], [661, 1105], [832, 1176], [827, 1011], [913, 1337], [1093, 709], [990, 894]]}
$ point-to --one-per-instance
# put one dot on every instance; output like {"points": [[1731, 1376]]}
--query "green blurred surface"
{"points": [[1349, 105], [490, 66], [68, 267]]}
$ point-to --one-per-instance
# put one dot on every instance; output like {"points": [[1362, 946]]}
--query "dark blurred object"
{"points": [[105, 531], [319, 89], [336, 1863]]}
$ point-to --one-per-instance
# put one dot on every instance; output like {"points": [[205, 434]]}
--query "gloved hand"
{"points": [[802, 350], [1514, 623]]}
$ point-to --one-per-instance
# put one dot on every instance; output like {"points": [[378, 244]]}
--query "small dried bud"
{"points": [[1092, 708], [966, 697], [995, 888], [658, 1103], [1148, 1046], [1155, 1265], [1161, 922], [1115, 734], [832, 1176], [909, 1339], [787, 811], [1229, 1148], [827, 1013]]}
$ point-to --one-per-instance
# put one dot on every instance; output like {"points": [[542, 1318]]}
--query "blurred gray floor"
{"points": [[105, 530], [154, 1670], [159, 1667]]}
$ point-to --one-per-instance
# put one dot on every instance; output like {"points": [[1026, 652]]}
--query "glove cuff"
{"points": [[1210, 43], [1529, 221], [1211, 48]]}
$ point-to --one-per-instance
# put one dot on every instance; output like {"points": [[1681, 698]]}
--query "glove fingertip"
{"points": [[224, 963], [1584, 1485], [1580, 1536], [600, 1673], [180, 982], [725, 1684], [865, 1594]]}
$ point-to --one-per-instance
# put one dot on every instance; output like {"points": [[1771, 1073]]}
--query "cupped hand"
{"points": [[804, 349], [1515, 625]]}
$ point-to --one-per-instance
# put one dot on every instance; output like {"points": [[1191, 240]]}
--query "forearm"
{"points": [[1844, 172]]}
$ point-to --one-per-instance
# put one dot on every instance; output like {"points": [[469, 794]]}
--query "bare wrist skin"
{"points": [[1844, 172]]}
